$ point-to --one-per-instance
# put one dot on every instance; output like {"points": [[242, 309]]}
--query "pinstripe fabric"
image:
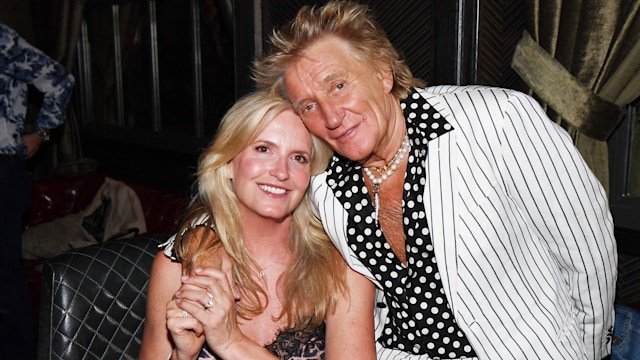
{"points": [[521, 229]]}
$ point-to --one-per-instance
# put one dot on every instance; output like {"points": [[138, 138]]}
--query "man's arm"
{"points": [[23, 61], [569, 210]]}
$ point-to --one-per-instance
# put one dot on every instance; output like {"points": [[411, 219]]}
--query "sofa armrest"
{"points": [[93, 300]]}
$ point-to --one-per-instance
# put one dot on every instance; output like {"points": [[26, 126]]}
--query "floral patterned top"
{"points": [[22, 64], [299, 345]]}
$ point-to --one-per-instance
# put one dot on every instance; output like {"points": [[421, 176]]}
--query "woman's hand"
{"points": [[208, 296], [186, 332]]}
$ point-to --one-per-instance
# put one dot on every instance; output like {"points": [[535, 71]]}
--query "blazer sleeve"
{"points": [[568, 208]]}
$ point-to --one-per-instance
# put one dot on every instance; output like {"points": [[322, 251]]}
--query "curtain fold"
{"points": [[56, 25], [582, 60], [580, 107]]}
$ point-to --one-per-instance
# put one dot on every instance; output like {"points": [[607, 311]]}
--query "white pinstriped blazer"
{"points": [[521, 227]]}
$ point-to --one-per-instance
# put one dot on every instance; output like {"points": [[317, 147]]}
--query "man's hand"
{"points": [[33, 142]]}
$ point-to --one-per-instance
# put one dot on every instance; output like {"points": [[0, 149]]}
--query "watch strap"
{"points": [[44, 134]]}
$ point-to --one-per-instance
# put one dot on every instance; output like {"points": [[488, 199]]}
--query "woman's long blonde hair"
{"points": [[311, 282]]}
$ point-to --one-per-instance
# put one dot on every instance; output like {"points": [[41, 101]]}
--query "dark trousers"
{"points": [[17, 335], [626, 334]]}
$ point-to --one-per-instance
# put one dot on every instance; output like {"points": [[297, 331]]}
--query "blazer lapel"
{"points": [[441, 199]]}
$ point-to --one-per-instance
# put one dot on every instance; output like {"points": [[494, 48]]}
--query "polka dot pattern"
{"points": [[420, 319]]}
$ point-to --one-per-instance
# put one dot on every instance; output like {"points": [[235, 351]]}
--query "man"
{"points": [[481, 227], [21, 65]]}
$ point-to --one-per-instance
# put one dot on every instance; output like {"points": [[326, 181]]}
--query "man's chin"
{"points": [[353, 155]]}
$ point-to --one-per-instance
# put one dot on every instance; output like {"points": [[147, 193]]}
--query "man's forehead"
{"points": [[318, 70]]}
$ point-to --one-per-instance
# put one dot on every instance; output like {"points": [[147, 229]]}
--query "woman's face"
{"points": [[271, 176]]}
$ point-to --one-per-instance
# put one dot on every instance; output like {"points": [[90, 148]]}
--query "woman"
{"points": [[287, 280]]}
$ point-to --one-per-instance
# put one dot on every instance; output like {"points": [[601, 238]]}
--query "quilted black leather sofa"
{"points": [[96, 296]]}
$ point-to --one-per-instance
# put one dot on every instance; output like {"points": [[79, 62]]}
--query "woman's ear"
{"points": [[386, 75], [228, 169]]}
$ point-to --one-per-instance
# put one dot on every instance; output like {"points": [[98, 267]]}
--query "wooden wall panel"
{"points": [[500, 27], [444, 42]]}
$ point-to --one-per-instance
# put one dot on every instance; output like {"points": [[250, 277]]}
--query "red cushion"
{"points": [[162, 209], [57, 197]]}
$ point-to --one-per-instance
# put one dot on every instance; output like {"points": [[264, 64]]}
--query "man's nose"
{"points": [[333, 115]]}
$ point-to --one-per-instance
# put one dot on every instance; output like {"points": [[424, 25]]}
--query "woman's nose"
{"points": [[280, 169]]}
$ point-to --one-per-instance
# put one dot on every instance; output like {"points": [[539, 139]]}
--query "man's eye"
{"points": [[307, 108], [340, 86]]}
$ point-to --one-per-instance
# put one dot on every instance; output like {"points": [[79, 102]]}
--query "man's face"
{"points": [[340, 98]]}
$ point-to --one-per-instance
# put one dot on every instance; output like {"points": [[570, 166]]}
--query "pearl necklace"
{"points": [[385, 172]]}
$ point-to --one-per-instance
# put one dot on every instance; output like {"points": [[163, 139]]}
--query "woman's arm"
{"points": [[163, 284], [350, 332]]}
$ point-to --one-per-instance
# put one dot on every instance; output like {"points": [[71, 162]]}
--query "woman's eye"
{"points": [[301, 159], [262, 148]]}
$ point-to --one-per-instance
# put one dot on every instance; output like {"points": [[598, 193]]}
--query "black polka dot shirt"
{"points": [[420, 320]]}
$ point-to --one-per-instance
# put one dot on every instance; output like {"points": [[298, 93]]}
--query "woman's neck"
{"points": [[265, 238]]}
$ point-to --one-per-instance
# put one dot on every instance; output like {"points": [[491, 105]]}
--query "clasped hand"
{"points": [[203, 309]]}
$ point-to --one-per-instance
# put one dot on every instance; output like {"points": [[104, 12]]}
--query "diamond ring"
{"points": [[210, 302]]}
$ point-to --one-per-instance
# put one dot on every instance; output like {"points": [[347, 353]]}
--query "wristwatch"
{"points": [[44, 134]]}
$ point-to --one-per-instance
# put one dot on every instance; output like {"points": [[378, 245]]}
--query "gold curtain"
{"points": [[582, 60]]}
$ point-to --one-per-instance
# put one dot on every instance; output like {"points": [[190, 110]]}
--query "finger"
{"points": [[180, 325], [204, 297], [174, 311], [194, 293], [221, 307], [209, 302], [179, 320], [193, 309], [204, 279], [212, 281], [227, 268], [201, 276], [221, 278]]}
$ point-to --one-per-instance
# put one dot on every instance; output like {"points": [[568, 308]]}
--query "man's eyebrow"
{"points": [[330, 77], [298, 104], [325, 80]]}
